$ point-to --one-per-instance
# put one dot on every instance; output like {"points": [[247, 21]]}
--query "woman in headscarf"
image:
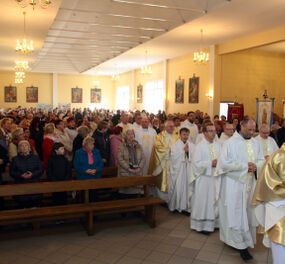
{"points": [[131, 161]]}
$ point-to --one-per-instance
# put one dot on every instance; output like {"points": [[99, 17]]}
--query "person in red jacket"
{"points": [[49, 139]]}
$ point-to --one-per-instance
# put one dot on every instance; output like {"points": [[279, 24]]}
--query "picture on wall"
{"points": [[10, 94], [179, 91], [95, 96], [76, 95], [139, 94], [32, 94], [194, 90]]}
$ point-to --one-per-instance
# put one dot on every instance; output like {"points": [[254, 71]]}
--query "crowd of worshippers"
{"points": [[205, 168]]}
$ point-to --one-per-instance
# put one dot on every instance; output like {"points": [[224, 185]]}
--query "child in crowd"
{"points": [[58, 169]]}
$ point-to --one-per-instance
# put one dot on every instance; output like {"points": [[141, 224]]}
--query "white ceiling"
{"points": [[108, 36], [38, 23]]}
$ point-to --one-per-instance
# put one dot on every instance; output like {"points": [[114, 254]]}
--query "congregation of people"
{"points": [[206, 168]]}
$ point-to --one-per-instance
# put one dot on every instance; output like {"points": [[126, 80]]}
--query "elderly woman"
{"points": [[131, 160], [26, 168], [88, 163]]}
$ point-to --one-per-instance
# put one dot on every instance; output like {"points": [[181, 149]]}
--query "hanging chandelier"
{"points": [[201, 56], [42, 3], [146, 69], [21, 66], [115, 77], [19, 77], [24, 47]]}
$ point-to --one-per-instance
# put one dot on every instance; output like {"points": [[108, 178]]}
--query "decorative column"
{"points": [[164, 85], [132, 93], [212, 79], [54, 91]]}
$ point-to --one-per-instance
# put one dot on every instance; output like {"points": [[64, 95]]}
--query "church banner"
{"points": [[264, 110], [235, 111]]}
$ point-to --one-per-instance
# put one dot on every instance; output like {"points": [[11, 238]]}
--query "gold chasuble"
{"points": [[159, 158], [270, 189]]}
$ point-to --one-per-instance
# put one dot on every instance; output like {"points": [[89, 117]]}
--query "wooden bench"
{"points": [[86, 209]]}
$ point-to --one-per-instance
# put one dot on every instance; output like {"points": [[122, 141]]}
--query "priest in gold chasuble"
{"points": [[159, 159], [269, 202]]}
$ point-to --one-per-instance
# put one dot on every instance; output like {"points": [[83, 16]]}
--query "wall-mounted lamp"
{"points": [[210, 95], [96, 84]]}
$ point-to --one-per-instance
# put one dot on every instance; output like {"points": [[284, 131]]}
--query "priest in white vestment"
{"points": [[204, 212], [189, 123], [267, 143], [228, 132], [145, 137], [269, 200], [137, 123], [180, 168], [239, 162]]}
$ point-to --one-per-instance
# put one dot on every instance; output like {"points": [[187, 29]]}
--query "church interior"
{"points": [[133, 55]]}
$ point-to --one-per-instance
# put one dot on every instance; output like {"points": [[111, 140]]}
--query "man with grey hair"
{"points": [[124, 122], [238, 164], [160, 158], [267, 143]]}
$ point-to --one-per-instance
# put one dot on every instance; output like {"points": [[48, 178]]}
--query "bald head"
{"points": [[264, 131]]}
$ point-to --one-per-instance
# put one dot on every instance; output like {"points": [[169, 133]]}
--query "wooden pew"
{"points": [[85, 209]]}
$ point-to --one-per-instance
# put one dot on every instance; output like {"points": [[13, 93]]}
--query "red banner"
{"points": [[235, 111]]}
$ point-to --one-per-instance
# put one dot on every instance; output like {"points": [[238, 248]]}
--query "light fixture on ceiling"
{"points": [[21, 66], [145, 69], [201, 56], [24, 47], [19, 77], [42, 3], [115, 77]]}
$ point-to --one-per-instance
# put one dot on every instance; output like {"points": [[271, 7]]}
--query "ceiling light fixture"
{"points": [[146, 69], [24, 47], [21, 66], [42, 3], [19, 77], [201, 56]]}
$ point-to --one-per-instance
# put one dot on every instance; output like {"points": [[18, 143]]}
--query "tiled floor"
{"points": [[124, 241]]}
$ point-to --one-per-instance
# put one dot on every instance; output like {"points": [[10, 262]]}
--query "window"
{"points": [[123, 98], [224, 108], [154, 96]]}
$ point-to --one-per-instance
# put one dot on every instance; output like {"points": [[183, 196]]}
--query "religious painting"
{"points": [[179, 91], [194, 90], [95, 96], [10, 94], [139, 94], [235, 111], [76, 95], [264, 112], [32, 94]]}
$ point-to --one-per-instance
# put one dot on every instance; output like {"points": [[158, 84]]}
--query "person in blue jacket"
{"points": [[88, 164]]}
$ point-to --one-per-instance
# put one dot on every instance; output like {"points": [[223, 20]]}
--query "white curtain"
{"points": [[123, 98], [154, 96]]}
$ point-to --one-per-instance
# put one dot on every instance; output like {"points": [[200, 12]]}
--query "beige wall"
{"points": [[41, 80], [68, 81], [246, 74], [65, 82], [185, 67]]}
